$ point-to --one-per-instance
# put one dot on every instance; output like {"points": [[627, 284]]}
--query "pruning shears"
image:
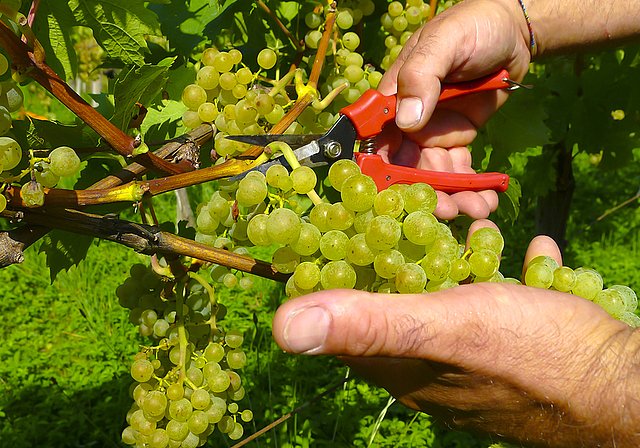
{"points": [[363, 120]]}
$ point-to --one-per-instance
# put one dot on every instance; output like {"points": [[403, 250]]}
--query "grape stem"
{"points": [[434, 5], [322, 104], [288, 154], [182, 335]]}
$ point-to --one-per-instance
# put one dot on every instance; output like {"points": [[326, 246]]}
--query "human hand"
{"points": [[535, 366], [468, 41]]}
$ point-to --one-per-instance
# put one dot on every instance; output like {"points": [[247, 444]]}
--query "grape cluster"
{"points": [[186, 384]]}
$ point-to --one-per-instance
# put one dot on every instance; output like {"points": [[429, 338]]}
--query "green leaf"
{"points": [[161, 123], [51, 27], [185, 231], [137, 85], [518, 125], [120, 27], [510, 201], [288, 10], [64, 250], [50, 134]]}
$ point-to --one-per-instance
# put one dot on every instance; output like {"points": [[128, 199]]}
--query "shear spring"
{"points": [[368, 145]]}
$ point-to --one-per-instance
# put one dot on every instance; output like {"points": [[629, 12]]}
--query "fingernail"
{"points": [[409, 112], [307, 329]]}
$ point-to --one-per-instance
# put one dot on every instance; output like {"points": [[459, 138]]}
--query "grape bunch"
{"points": [[187, 383]]}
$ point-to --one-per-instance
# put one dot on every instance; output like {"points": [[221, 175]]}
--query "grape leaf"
{"points": [[137, 85], [288, 10], [510, 201], [161, 122], [51, 27], [50, 134], [120, 27], [518, 125], [64, 250]]}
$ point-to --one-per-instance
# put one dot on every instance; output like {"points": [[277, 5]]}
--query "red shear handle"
{"points": [[385, 175], [373, 110]]}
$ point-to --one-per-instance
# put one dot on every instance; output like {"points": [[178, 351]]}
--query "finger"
{"points": [[471, 204], [436, 159], [388, 141], [445, 129], [461, 158], [541, 245], [491, 198], [446, 208], [444, 326]]}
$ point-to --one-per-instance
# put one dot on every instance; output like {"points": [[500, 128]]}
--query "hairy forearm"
{"points": [[563, 26]]}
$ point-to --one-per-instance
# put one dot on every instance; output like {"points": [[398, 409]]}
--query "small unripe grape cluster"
{"points": [[186, 385]]}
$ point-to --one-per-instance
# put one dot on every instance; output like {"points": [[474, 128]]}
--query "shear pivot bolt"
{"points": [[332, 150]]}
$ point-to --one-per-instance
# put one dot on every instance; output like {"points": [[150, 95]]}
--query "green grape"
{"points": [[341, 171], [312, 39], [388, 202], [339, 217], [374, 79], [390, 42], [630, 319], [245, 283], [283, 226], [10, 153], [588, 283], [193, 96], [207, 112], [383, 232], [141, 424], [3, 202], [230, 280], [306, 275], [446, 245], [208, 78], [236, 432], [244, 75], [64, 161], [434, 285], [32, 194], [611, 301], [234, 338], [199, 421], [400, 23], [539, 275], [251, 191], [386, 263], [629, 295], [353, 74], [485, 263], [358, 192], [359, 252], [333, 245], [436, 266], [264, 104], [564, 279], [5, 120], [285, 183], [191, 119], [245, 112], [351, 41], [267, 58], [285, 260], [236, 358], [410, 278], [367, 7], [228, 81], [304, 179], [235, 55], [274, 173], [308, 241], [338, 275], [11, 97], [460, 269], [4, 64], [206, 223], [312, 20], [395, 8], [211, 369], [545, 259], [223, 62], [354, 59], [128, 436], [177, 430], [344, 19], [413, 15], [275, 115], [318, 216], [208, 56], [486, 238], [420, 228], [421, 197], [257, 230], [155, 403], [141, 370], [246, 415]]}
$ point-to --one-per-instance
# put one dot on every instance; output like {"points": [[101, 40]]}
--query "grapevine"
{"points": [[188, 373]]}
